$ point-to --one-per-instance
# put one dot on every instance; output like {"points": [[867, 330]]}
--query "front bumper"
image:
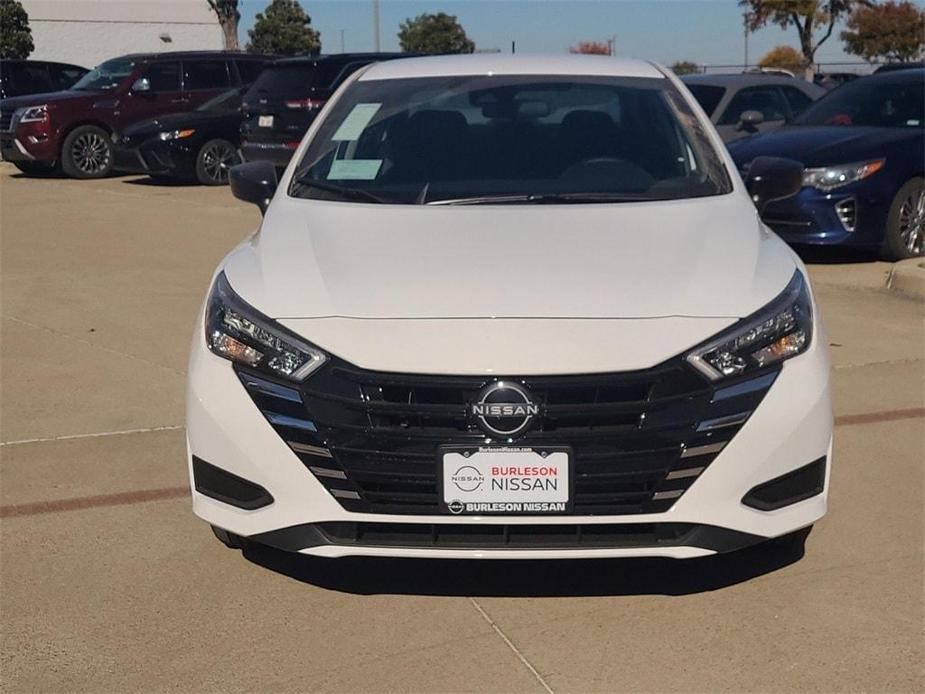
{"points": [[154, 157], [790, 428], [853, 216]]}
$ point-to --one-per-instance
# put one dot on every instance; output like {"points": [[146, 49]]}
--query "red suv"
{"points": [[74, 129]]}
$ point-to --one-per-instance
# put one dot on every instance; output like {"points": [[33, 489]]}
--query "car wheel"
{"points": [[228, 539], [35, 168], [214, 160], [905, 225], [87, 153]]}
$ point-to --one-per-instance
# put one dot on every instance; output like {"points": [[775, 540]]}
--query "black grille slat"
{"points": [[626, 431]]}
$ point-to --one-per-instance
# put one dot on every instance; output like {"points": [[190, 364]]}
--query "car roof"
{"points": [[739, 79], [915, 74], [173, 55], [506, 64], [337, 58]]}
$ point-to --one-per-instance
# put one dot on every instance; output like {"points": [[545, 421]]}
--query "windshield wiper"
{"points": [[542, 199], [343, 191]]}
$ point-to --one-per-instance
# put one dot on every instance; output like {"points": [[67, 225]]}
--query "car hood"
{"points": [[15, 102], [176, 121], [705, 257], [820, 145]]}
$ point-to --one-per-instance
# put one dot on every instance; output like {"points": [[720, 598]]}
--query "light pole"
{"points": [[745, 16], [376, 25]]}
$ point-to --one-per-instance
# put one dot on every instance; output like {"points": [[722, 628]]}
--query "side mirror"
{"points": [[773, 178], [749, 120], [254, 181], [142, 84]]}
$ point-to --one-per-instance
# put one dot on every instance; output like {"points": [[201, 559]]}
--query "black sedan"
{"points": [[199, 145], [863, 146]]}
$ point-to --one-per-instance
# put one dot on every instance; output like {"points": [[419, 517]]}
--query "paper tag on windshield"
{"points": [[354, 169], [355, 123]]}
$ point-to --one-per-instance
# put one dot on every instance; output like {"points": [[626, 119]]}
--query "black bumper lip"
{"points": [[500, 536]]}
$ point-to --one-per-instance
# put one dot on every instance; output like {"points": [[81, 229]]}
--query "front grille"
{"points": [[638, 439], [6, 120]]}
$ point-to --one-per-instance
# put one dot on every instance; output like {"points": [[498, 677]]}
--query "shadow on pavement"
{"points": [[814, 255], [531, 578]]}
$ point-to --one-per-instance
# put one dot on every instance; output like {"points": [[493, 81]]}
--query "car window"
{"points": [[106, 76], [765, 99], [446, 138], [249, 70], [67, 76], [28, 78], [205, 74], [870, 102], [708, 96], [798, 101], [164, 77]]}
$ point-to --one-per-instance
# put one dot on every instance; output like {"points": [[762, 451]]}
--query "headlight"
{"points": [[176, 134], [33, 114], [832, 177], [782, 329], [240, 333]]}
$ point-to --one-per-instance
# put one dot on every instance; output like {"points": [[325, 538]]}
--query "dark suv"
{"points": [[284, 101], [21, 77], [74, 128]]}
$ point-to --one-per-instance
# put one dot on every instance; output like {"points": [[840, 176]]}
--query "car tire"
{"points": [[213, 161], [87, 153], [230, 540], [35, 168], [905, 224]]}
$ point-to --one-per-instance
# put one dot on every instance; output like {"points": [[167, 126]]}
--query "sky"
{"points": [[708, 32]]}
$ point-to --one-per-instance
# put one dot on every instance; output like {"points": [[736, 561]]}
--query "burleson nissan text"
{"points": [[651, 379]]}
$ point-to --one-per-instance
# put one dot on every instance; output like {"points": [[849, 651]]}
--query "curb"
{"points": [[908, 277]]}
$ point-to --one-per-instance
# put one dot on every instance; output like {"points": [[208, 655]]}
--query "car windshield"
{"points": [[476, 139], [226, 101], [874, 102], [105, 76]]}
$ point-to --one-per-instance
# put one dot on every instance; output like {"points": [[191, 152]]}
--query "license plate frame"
{"points": [[459, 507]]}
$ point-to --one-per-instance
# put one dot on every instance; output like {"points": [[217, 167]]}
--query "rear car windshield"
{"points": [[877, 103], [707, 95], [448, 139], [105, 76], [288, 81]]}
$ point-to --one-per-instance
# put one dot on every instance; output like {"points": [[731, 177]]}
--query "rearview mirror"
{"points": [[773, 178], [750, 119], [254, 181], [142, 84]]}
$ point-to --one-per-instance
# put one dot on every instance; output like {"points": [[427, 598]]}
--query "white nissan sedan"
{"points": [[510, 307]]}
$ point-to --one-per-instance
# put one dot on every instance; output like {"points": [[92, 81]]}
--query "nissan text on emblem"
{"points": [[504, 409]]}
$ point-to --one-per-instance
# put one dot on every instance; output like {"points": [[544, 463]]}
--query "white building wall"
{"points": [[87, 32]]}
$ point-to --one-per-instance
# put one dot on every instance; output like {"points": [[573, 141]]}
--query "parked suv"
{"points": [[74, 128], [288, 95], [511, 307], [21, 77]]}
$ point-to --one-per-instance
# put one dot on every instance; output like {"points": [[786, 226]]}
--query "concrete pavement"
{"points": [[108, 582]]}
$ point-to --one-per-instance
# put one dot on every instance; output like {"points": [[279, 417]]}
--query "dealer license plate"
{"points": [[505, 480], [265, 121]]}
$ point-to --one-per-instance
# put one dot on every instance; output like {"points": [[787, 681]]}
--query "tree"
{"points": [[15, 34], [228, 16], [808, 16], [893, 31], [434, 34], [783, 57], [591, 48], [685, 67], [284, 29]]}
